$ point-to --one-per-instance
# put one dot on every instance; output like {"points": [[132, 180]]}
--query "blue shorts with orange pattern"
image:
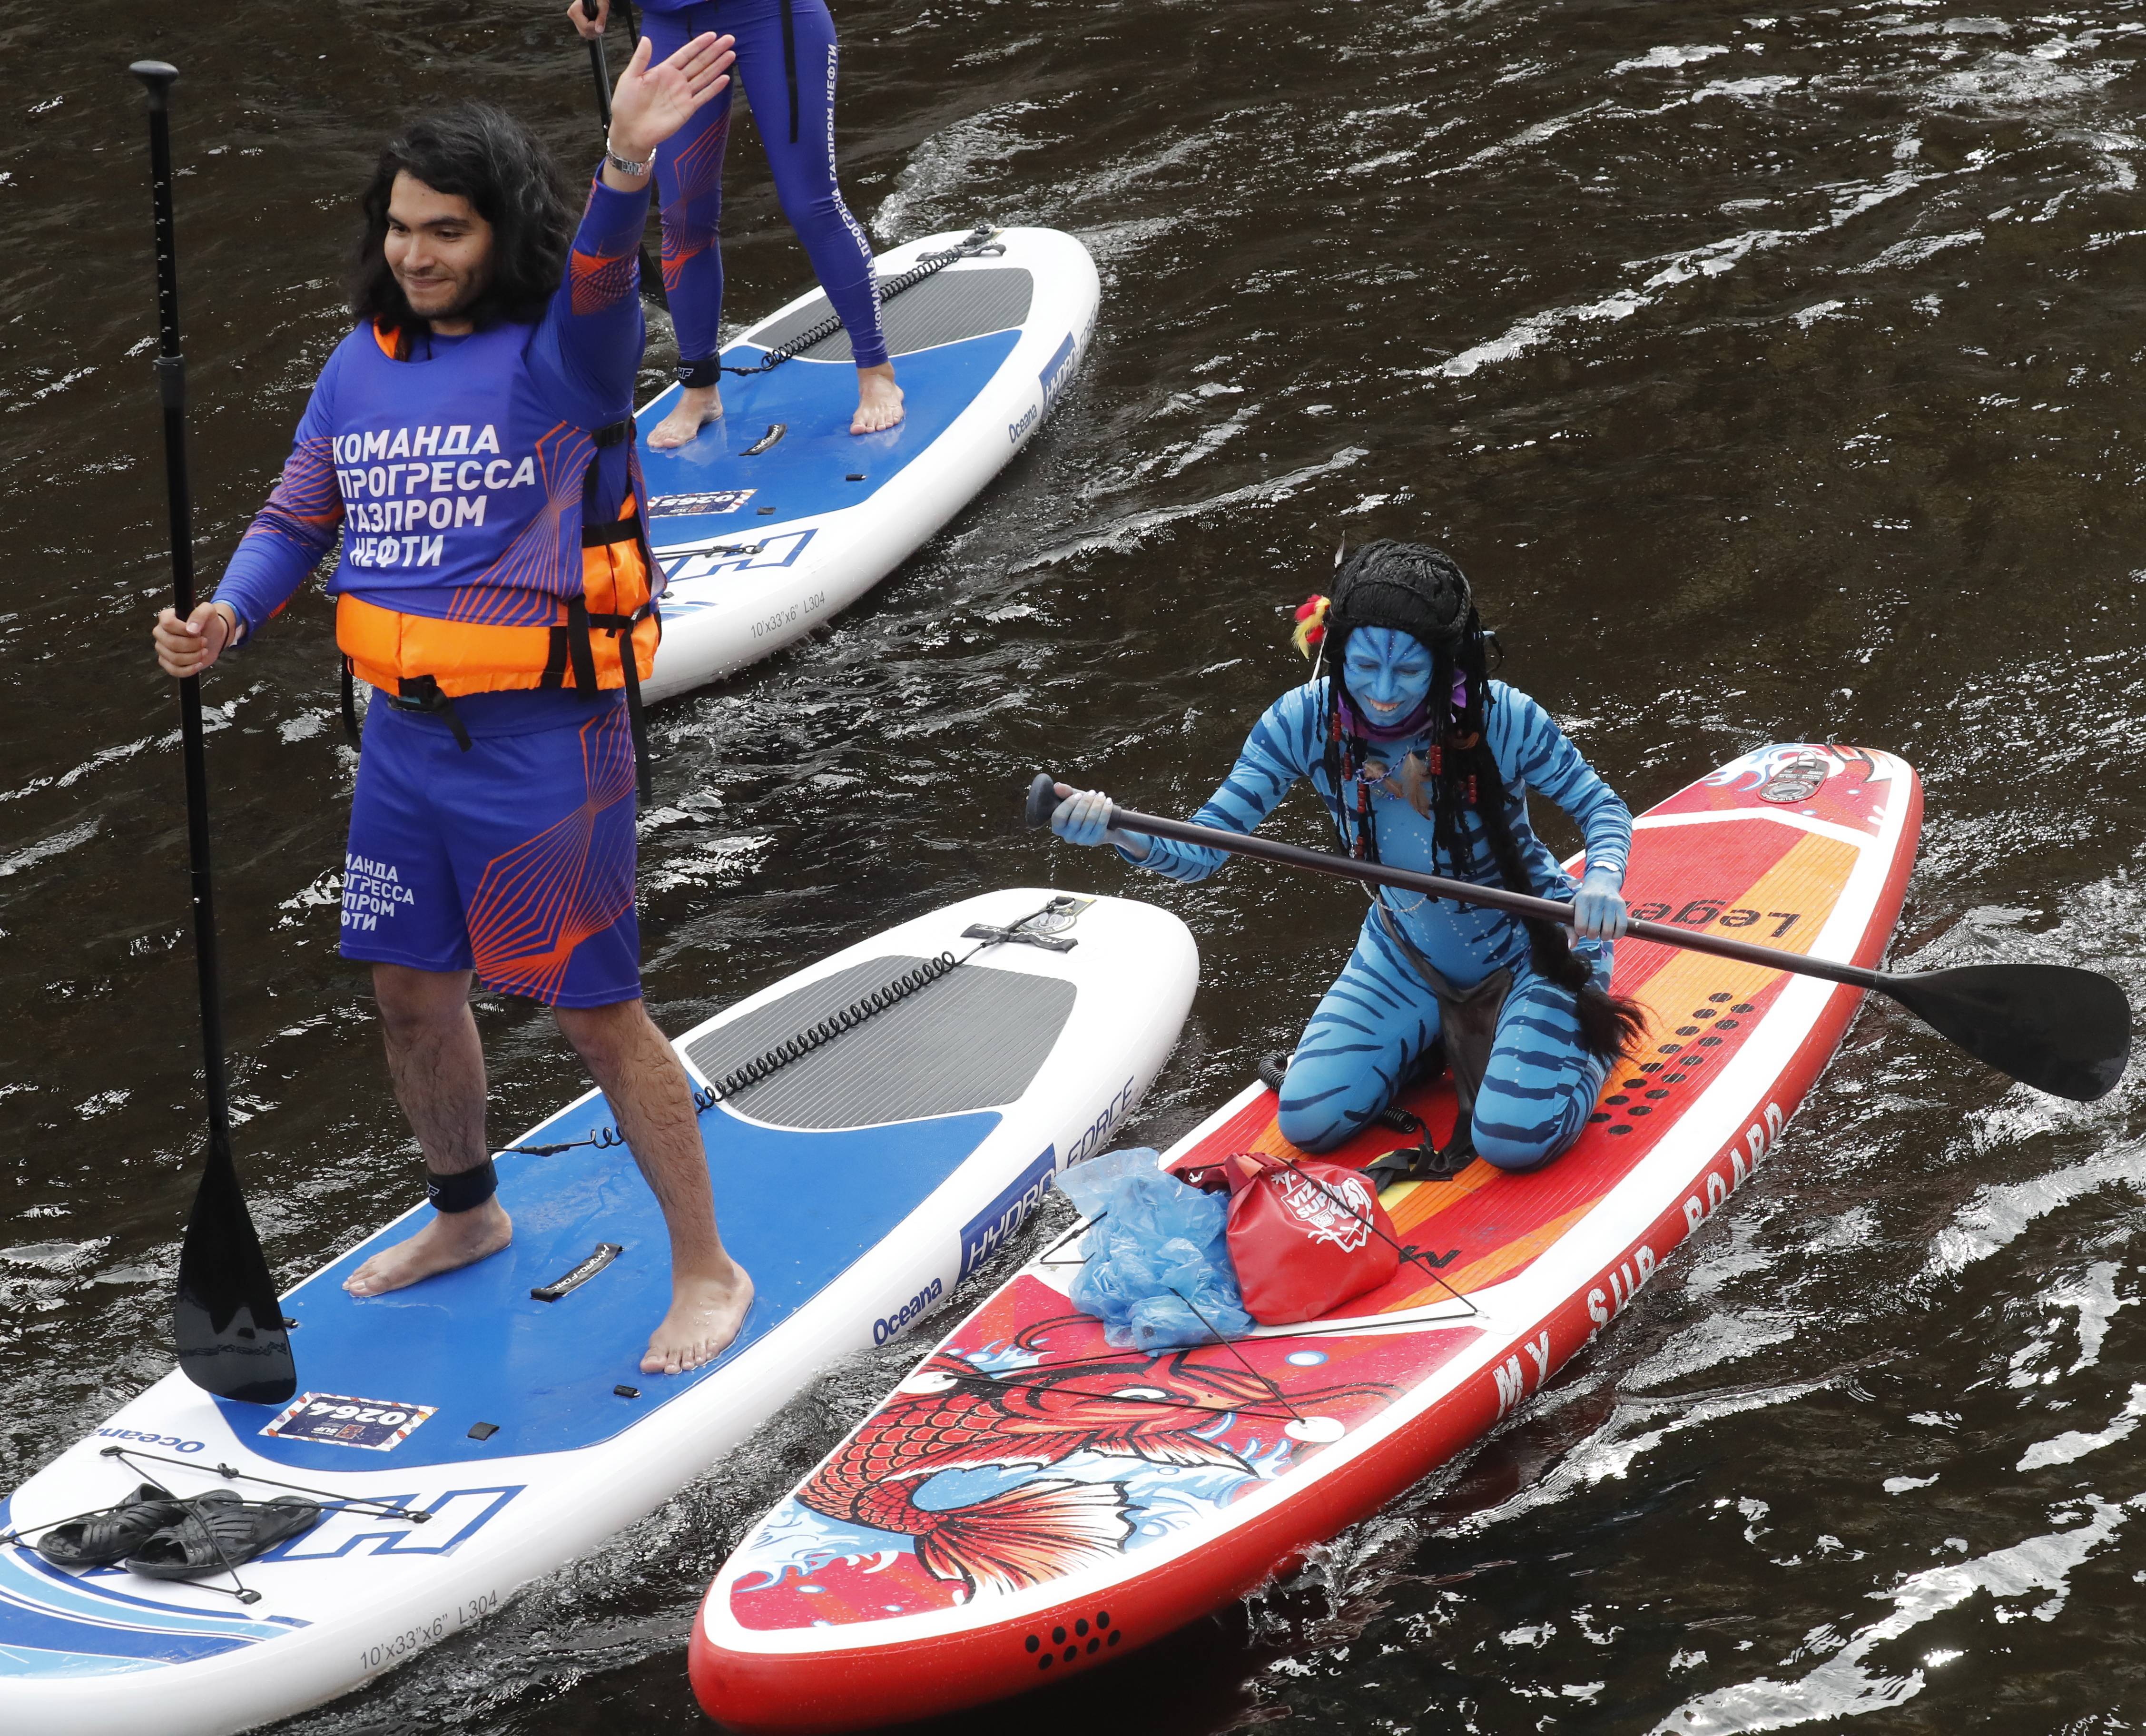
{"points": [[514, 859]]}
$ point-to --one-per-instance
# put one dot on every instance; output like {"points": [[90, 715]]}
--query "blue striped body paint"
{"points": [[1379, 1017]]}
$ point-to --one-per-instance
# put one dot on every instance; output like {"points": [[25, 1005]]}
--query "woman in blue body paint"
{"points": [[1425, 763], [786, 55]]}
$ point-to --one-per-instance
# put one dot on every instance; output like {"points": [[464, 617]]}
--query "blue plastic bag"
{"points": [[1157, 1271]]}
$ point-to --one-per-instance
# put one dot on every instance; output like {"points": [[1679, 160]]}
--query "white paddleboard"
{"points": [[777, 517], [858, 1185]]}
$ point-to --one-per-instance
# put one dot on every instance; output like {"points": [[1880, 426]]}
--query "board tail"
{"points": [[1026, 1536]]}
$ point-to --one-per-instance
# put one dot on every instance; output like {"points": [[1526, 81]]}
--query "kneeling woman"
{"points": [[1424, 763]]}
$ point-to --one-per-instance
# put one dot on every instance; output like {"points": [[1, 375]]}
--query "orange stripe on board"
{"points": [[1807, 877], [1808, 880], [1519, 1252], [1270, 1141]]}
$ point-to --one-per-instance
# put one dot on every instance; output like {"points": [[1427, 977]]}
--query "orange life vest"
{"points": [[424, 663]]}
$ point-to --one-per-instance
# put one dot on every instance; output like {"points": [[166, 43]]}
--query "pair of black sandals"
{"points": [[156, 1534]]}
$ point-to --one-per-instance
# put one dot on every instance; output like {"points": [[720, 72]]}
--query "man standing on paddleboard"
{"points": [[471, 441], [1424, 762]]}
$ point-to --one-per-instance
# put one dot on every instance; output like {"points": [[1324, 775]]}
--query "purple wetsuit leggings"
{"points": [[689, 172]]}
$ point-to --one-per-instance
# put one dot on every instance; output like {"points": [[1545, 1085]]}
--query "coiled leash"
{"points": [[976, 243]]}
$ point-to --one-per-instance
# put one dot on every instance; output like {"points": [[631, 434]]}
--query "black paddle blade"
{"points": [[229, 1321], [2057, 1027]]}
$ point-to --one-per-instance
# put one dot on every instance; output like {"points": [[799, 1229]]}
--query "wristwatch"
{"points": [[625, 164]]}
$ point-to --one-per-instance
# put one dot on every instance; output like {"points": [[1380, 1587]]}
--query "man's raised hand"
{"points": [[652, 102]]}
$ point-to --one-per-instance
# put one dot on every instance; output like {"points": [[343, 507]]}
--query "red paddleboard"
{"points": [[1031, 1502]]}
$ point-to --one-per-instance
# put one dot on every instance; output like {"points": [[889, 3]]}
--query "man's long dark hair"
{"points": [[486, 156], [1422, 591]]}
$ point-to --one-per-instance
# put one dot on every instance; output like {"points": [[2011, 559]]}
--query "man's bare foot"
{"points": [[452, 1239], [879, 400], [697, 407], [705, 1315]]}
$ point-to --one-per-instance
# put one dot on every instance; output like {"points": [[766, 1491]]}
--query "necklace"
{"points": [[1375, 771]]}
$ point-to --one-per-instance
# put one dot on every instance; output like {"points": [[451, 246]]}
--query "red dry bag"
{"points": [[1304, 1236]]}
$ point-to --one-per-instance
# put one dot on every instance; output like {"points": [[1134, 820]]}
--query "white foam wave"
{"points": [[1709, 260], [1998, 1215], [1767, 85], [1709, 1343], [58, 844], [1134, 527], [1655, 57], [2005, 82], [1808, 317], [1209, 441], [1842, 1688], [1112, 243], [942, 171], [1953, 26], [2073, 1444], [1540, 132], [1636, 1428], [1919, 247], [1537, 329], [2095, 1296]]}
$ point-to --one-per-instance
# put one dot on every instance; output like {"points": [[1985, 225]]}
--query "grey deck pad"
{"points": [[972, 1039], [943, 309]]}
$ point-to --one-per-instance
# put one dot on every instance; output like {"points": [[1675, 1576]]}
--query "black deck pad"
{"points": [[974, 1039], [943, 309]]}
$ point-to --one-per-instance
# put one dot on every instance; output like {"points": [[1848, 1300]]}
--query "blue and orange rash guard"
{"points": [[1465, 943], [455, 477]]}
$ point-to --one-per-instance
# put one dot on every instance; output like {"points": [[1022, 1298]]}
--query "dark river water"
{"points": [[1775, 376]]}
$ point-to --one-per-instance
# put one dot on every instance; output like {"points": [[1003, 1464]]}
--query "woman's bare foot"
{"points": [[705, 1315], [452, 1239], [697, 407], [879, 400]]}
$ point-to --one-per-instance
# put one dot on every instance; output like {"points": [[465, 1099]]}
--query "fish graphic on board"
{"points": [[952, 1414]]}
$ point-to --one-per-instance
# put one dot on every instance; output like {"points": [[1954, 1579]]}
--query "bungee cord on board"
{"points": [[815, 1036], [977, 242], [19, 1535]]}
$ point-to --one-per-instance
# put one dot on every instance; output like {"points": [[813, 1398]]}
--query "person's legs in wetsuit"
{"points": [[804, 169], [1543, 1080], [1369, 1030], [689, 178], [1380, 1019], [804, 181]]}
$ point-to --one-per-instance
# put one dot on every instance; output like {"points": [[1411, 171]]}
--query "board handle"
{"points": [[1043, 799]]}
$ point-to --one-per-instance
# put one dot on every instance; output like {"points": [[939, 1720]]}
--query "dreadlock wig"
{"points": [[1421, 591]]}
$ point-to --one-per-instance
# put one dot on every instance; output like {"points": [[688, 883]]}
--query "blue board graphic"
{"points": [[809, 470], [985, 1234], [104, 1622], [796, 1210]]}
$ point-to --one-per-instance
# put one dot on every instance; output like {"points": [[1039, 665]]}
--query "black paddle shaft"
{"points": [[229, 1321], [1496, 898], [599, 69], [2061, 1029], [652, 273]]}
